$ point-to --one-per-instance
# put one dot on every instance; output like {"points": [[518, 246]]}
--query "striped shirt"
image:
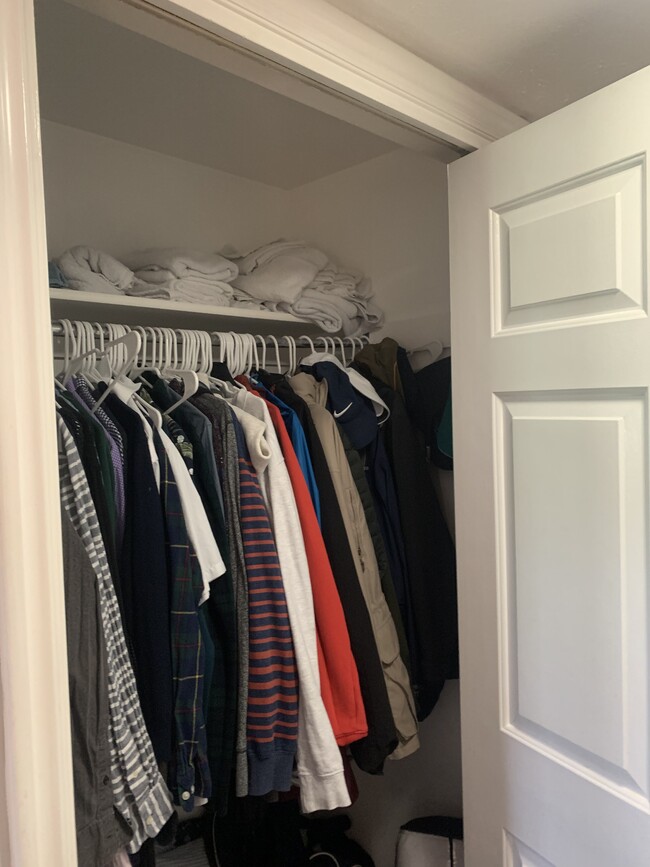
{"points": [[140, 795], [272, 719]]}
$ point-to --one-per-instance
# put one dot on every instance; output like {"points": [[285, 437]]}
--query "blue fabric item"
{"points": [[298, 441], [354, 412], [56, 277]]}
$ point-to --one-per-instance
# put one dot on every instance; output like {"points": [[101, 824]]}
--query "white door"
{"points": [[551, 369]]}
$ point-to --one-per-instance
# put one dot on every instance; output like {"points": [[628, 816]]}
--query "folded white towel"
{"points": [[193, 291], [183, 263], [347, 285], [243, 299], [89, 270], [269, 252]]}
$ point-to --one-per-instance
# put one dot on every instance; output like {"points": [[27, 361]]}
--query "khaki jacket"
{"points": [[396, 676]]}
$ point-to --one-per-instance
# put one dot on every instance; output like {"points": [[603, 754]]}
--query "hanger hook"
{"points": [[274, 341], [342, 348], [263, 345]]}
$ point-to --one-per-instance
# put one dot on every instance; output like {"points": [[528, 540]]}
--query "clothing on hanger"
{"points": [[255, 593], [369, 752], [140, 795], [395, 673], [339, 679]]}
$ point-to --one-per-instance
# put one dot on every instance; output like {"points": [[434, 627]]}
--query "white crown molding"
{"points": [[327, 46], [38, 797]]}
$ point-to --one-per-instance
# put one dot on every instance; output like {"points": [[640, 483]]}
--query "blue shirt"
{"points": [[298, 441]]}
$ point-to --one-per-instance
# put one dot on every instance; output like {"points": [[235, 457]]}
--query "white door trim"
{"points": [[33, 664], [326, 45]]}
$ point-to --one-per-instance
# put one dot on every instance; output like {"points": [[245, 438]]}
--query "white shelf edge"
{"points": [[129, 310]]}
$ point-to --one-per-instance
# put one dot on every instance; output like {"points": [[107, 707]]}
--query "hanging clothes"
{"points": [[430, 556], [395, 673], [319, 765], [339, 678], [369, 752], [226, 455], [273, 694], [143, 553], [221, 717], [256, 606], [99, 835], [140, 795]]}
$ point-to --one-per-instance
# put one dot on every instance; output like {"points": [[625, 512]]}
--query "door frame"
{"points": [[38, 828], [323, 46]]}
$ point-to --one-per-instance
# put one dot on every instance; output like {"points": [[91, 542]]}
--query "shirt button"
{"points": [[106, 780], [192, 789], [186, 796], [150, 820]]}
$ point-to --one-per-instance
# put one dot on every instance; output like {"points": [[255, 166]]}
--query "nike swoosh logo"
{"points": [[340, 412]]}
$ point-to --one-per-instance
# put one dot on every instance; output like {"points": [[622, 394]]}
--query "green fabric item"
{"points": [[381, 360]]}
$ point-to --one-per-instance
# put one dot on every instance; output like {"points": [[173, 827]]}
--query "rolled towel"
{"points": [[183, 263], [89, 270], [283, 277]]}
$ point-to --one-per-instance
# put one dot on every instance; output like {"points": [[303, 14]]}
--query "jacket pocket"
{"points": [[396, 677], [357, 520]]}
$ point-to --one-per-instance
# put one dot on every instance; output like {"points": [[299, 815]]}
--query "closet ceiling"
{"points": [[530, 56], [140, 91]]}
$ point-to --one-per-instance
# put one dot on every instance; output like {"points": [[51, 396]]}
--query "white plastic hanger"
{"points": [[228, 355], [131, 343], [342, 348], [174, 370], [263, 345], [292, 351], [425, 355], [252, 358], [278, 363], [69, 349], [353, 347], [311, 347]]}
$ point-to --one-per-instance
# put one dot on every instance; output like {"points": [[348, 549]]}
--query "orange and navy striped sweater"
{"points": [[272, 719]]}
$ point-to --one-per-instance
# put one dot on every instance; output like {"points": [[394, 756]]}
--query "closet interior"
{"points": [[158, 135]]}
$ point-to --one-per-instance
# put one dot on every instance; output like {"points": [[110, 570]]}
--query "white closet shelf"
{"points": [[125, 310]]}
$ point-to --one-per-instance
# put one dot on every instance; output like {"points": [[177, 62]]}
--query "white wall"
{"points": [[122, 198], [388, 217], [428, 783]]}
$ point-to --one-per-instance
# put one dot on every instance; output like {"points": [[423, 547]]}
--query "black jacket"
{"points": [[430, 555]]}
